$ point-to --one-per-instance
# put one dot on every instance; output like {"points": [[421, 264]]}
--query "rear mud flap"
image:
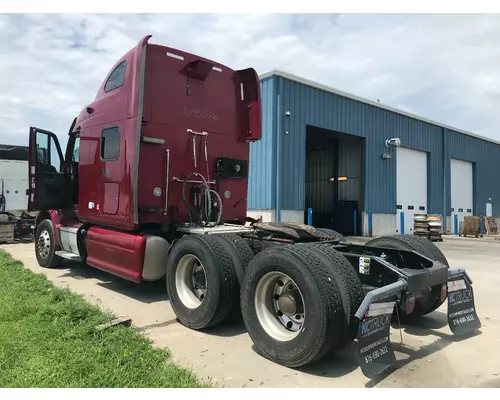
{"points": [[462, 316], [375, 353]]}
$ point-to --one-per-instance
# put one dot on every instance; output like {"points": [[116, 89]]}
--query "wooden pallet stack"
{"points": [[420, 225], [429, 226], [435, 222], [490, 226]]}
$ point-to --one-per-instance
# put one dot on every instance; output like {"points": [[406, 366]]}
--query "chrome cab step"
{"points": [[68, 256]]}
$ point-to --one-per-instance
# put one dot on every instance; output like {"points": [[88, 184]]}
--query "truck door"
{"points": [[48, 185]]}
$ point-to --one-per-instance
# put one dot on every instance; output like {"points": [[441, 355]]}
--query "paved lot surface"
{"points": [[429, 357]]}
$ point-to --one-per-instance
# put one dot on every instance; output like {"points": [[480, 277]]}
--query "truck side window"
{"points": [[116, 78], [110, 144], [76, 150]]}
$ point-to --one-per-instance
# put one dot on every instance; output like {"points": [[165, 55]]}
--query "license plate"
{"points": [[375, 353], [462, 316]]}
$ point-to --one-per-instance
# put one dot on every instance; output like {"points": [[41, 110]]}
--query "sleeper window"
{"points": [[116, 78], [110, 144]]}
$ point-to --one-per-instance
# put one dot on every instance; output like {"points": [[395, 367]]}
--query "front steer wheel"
{"points": [[201, 283], [292, 306], [45, 245]]}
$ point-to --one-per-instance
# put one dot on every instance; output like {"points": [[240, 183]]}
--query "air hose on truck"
{"points": [[206, 200]]}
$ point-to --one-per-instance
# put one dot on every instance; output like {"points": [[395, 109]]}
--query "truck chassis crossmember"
{"points": [[153, 185]]}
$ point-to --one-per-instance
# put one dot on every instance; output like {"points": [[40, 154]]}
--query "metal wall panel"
{"points": [[262, 171], [485, 157], [310, 106], [314, 107]]}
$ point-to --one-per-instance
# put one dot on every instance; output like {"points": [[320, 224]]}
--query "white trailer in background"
{"points": [[13, 177], [14, 184]]}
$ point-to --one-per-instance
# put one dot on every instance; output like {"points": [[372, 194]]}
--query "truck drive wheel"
{"points": [[291, 305], [330, 233], [45, 245], [239, 250], [350, 288], [201, 282], [241, 254], [431, 298]]}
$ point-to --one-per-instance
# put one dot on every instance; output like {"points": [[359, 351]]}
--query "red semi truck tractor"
{"points": [[153, 185]]}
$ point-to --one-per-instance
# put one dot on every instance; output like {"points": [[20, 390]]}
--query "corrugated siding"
{"points": [[486, 159], [310, 106], [261, 184]]}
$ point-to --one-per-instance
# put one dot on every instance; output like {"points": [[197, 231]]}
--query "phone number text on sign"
{"points": [[376, 354], [465, 318]]}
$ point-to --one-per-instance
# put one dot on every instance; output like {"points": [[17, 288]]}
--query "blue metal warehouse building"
{"points": [[328, 150]]}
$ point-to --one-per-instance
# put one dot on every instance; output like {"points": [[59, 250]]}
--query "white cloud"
{"points": [[443, 67]]}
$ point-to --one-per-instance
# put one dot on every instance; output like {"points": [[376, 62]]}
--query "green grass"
{"points": [[48, 339]]}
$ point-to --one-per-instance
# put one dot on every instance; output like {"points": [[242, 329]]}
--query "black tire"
{"points": [[324, 314], [431, 300], [350, 288], [45, 240], [330, 233], [419, 244], [239, 251], [241, 254], [222, 284]]}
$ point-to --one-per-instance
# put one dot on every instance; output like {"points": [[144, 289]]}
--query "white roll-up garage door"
{"points": [[411, 192], [462, 195]]}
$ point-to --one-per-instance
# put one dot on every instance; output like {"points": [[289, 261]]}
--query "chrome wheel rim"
{"points": [[43, 244], [191, 281], [279, 306]]}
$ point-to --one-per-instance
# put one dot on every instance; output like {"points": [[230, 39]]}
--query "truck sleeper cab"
{"points": [[153, 185], [159, 116]]}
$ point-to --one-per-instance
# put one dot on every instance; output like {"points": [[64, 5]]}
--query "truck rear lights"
{"points": [[444, 292], [409, 304]]}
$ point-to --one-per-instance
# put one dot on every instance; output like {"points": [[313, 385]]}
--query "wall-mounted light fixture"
{"points": [[393, 142]]}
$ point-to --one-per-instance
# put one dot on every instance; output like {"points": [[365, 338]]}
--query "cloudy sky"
{"points": [[443, 67]]}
